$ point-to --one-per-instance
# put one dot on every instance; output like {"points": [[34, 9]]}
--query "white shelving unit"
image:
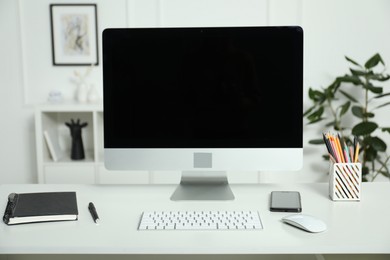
{"points": [[91, 170]]}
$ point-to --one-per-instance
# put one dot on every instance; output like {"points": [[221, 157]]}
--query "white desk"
{"points": [[353, 227]]}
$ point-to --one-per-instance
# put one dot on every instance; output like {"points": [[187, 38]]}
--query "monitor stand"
{"points": [[203, 185]]}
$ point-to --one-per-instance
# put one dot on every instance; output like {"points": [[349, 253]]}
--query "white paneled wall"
{"points": [[213, 13], [40, 76]]}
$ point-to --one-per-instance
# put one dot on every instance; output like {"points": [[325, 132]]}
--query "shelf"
{"points": [[52, 118], [65, 159], [71, 106]]}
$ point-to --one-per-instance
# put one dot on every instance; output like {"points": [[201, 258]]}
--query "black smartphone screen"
{"points": [[285, 201]]}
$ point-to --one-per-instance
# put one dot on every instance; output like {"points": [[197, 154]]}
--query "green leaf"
{"points": [[352, 61], [364, 128], [308, 111], [373, 61], [379, 77], [365, 171], [386, 129], [334, 86], [373, 89], [359, 72], [383, 95], [376, 143], [344, 108], [348, 96], [316, 141], [316, 95], [316, 114], [383, 78], [369, 115], [383, 105], [370, 154], [357, 111], [329, 93], [350, 79]]}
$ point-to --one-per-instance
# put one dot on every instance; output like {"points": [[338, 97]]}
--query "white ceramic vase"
{"points": [[81, 93]]}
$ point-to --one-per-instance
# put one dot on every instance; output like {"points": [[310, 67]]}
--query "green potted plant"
{"points": [[352, 113]]}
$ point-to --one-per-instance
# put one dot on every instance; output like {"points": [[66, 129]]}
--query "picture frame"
{"points": [[74, 34]]}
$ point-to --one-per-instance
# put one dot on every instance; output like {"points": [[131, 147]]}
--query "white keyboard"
{"points": [[200, 220]]}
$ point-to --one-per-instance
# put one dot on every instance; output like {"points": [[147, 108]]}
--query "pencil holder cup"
{"points": [[345, 181]]}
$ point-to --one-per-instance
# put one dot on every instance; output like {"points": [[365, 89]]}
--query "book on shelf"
{"points": [[40, 207], [53, 146]]}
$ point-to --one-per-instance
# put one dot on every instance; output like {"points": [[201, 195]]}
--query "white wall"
{"points": [[17, 158], [357, 28]]}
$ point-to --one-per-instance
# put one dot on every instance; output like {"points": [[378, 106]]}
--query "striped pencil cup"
{"points": [[345, 181]]}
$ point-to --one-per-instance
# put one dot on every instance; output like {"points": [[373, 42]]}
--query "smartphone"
{"points": [[286, 201]]}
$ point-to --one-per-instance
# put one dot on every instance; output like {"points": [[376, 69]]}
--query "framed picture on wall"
{"points": [[74, 34]]}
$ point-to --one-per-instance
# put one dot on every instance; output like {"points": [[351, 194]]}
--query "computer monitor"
{"points": [[203, 101]]}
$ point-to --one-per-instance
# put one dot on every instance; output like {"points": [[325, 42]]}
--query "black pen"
{"points": [[93, 212]]}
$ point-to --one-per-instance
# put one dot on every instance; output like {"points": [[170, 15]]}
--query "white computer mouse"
{"points": [[305, 222]]}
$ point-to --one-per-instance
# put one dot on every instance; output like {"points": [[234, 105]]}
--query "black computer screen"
{"points": [[225, 87]]}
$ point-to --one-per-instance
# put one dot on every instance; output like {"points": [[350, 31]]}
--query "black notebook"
{"points": [[40, 207]]}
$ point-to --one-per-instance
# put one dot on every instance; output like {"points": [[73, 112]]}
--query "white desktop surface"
{"points": [[353, 227]]}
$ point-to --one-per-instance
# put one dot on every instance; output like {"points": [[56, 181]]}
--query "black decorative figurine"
{"points": [[77, 152]]}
